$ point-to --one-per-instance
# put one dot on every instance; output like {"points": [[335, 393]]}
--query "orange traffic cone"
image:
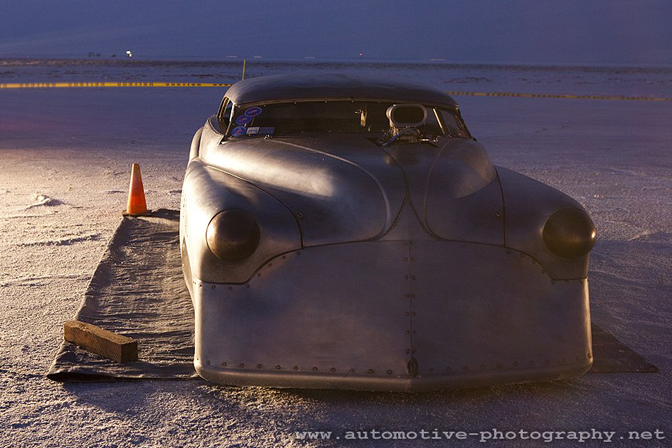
{"points": [[136, 194]]}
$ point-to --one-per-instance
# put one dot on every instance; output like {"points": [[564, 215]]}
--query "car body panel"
{"points": [[205, 192], [351, 196], [340, 200], [269, 89], [353, 330], [528, 204]]}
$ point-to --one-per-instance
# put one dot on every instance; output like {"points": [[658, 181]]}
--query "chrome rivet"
{"points": [[314, 369], [224, 364], [546, 361], [407, 295], [389, 372], [408, 331], [352, 370], [213, 286], [412, 277], [412, 259], [413, 313], [207, 362], [333, 369], [259, 366], [408, 350], [230, 288], [412, 296], [543, 271], [407, 313], [405, 277], [482, 366], [508, 251], [241, 365], [522, 255], [405, 258], [296, 367], [370, 370], [278, 367]]}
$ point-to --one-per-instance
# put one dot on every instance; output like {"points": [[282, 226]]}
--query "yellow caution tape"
{"points": [[51, 85], [550, 95]]}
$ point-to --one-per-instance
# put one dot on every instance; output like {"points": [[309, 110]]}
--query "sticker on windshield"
{"points": [[253, 111], [243, 119], [253, 130], [239, 131]]}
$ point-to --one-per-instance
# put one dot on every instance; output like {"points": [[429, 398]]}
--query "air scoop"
{"points": [[405, 123]]}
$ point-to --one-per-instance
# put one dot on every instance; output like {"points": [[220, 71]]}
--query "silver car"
{"points": [[349, 233]]}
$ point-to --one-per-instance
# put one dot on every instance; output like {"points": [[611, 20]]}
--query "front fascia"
{"points": [[352, 316]]}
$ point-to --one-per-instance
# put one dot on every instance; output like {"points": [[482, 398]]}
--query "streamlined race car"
{"points": [[348, 233]]}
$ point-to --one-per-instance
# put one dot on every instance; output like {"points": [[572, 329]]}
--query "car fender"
{"points": [[195, 144], [527, 206], [208, 191]]}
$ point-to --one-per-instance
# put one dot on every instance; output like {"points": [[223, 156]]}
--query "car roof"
{"points": [[303, 87]]}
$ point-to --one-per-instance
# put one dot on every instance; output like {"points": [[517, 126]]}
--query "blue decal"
{"points": [[253, 111], [243, 119], [239, 131]]}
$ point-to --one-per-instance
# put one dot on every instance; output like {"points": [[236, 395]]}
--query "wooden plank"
{"points": [[102, 342]]}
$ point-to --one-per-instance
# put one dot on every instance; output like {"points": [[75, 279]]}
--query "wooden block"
{"points": [[102, 342]]}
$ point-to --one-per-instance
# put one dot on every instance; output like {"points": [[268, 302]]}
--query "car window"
{"points": [[319, 116], [453, 124], [225, 114]]}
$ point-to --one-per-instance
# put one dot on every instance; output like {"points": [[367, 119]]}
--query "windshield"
{"points": [[334, 117]]}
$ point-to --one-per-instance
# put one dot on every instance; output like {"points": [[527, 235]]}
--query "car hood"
{"points": [[346, 188]]}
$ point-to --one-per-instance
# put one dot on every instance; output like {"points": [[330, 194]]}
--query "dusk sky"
{"points": [[637, 32]]}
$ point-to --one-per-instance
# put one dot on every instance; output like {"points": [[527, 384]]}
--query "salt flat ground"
{"points": [[65, 159]]}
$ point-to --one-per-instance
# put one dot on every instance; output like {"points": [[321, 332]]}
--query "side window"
{"points": [[224, 116], [453, 124], [431, 126]]}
